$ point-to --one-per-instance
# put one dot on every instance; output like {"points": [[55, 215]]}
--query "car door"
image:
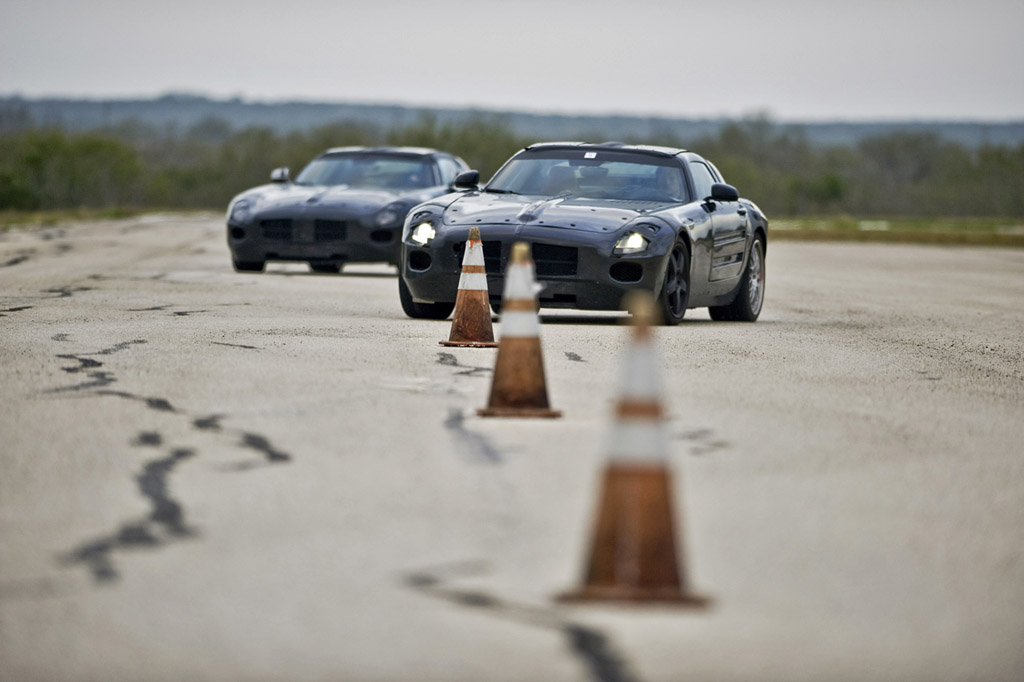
{"points": [[728, 225]]}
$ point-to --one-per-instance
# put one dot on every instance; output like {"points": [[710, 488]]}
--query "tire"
{"points": [[675, 292], [331, 268], [248, 265], [750, 294], [422, 311]]}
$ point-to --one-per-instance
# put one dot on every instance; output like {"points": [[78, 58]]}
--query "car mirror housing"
{"points": [[723, 192], [280, 175], [467, 180]]}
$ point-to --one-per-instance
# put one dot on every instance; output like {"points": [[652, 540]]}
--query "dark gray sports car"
{"points": [[347, 205], [602, 220]]}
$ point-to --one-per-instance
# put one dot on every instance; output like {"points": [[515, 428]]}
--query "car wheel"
{"points": [[422, 311], [675, 292], [750, 296], [248, 265], [332, 268]]}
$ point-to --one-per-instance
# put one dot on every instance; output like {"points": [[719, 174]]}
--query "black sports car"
{"points": [[602, 220], [347, 205]]}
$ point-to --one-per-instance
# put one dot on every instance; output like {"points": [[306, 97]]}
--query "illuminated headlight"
{"points": [[634, 242], [240, 212], [422, 233], [389, 216]]}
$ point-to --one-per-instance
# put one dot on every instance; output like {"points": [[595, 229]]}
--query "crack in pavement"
{"points": [[589, 645], [17, 260], [165, 522], [704, 442], [97, 379], [66, 292], [256, 442], [210, 423], [475, 443], [234, 345], [16, 309], [449, 360]]}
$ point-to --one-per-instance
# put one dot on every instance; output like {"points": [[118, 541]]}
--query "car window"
{"points": [[702, 179], [449, 169], [597, 174], [378, 171]]}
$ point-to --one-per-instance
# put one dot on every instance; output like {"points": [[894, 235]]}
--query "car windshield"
{"points": [[590, 173], [377, 171]]}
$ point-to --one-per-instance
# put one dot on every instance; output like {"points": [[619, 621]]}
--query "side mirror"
{"points": [[722, 192], [280, 175], [467, 180]]}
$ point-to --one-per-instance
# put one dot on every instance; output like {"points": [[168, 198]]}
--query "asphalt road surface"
{"points": [[213, 476]]}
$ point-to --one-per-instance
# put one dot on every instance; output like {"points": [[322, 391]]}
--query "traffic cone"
{"points": [[471, 321], [634, 556], [518, 388]]}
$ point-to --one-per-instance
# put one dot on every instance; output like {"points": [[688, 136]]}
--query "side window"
{"points": [[449, 169], [702, 179]]}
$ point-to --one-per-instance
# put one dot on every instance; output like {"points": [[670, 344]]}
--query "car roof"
{"points": [[612, 146], [417, 151]]}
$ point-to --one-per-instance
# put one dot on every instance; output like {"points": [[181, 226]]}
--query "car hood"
{"points": [[591, 215], [354, 200]]}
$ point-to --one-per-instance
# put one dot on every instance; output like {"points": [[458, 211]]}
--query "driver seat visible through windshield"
{"points": [[560, 179]]}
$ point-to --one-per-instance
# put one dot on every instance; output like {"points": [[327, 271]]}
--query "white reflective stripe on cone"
{"points": [[639, 378], [637, 441], [519, 324], [475, 281], [474, 254], [519, 283]]}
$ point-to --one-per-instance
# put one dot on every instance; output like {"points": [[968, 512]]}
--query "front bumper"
{"points": [[576, 269], [313, 237]]}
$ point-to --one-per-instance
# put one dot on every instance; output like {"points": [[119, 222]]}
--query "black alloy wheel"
{"points": [[247, 265], [675, 292], [421, 311], [750, 293]]}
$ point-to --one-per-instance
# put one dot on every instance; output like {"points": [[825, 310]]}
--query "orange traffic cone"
{"points": [[471, 321], [634, 555], [518, 388]]}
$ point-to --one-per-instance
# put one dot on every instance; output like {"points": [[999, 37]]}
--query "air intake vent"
{"points": [[330, 230], [554, 261], [279, 229]]}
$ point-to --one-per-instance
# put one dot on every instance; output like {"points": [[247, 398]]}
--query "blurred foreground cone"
{"points": [[518, 388], [471, 321], [634, 555]]}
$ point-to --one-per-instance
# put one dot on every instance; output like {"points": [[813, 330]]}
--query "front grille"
{"points": [[554, 261], [492, 258], [549, 260], [278, 229], [329, 230]]}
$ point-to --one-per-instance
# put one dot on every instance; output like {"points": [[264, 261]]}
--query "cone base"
{"points": [[634, 595], [469, 344], [542, 412]]}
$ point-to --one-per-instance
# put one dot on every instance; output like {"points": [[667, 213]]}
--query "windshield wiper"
{"points": [[500, 191]]}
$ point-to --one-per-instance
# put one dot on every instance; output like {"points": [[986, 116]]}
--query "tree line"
{"points": [[138, 166]]}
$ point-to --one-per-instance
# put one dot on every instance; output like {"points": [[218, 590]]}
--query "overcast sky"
{"points": [[792, 59]]}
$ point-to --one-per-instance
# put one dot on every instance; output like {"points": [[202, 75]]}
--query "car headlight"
{"points": [[422, 233], [240, 212], [634, 242], [389, 215]]}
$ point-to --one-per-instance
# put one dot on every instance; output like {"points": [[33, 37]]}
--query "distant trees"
{"points": [[48, 169], [135, 165]]}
